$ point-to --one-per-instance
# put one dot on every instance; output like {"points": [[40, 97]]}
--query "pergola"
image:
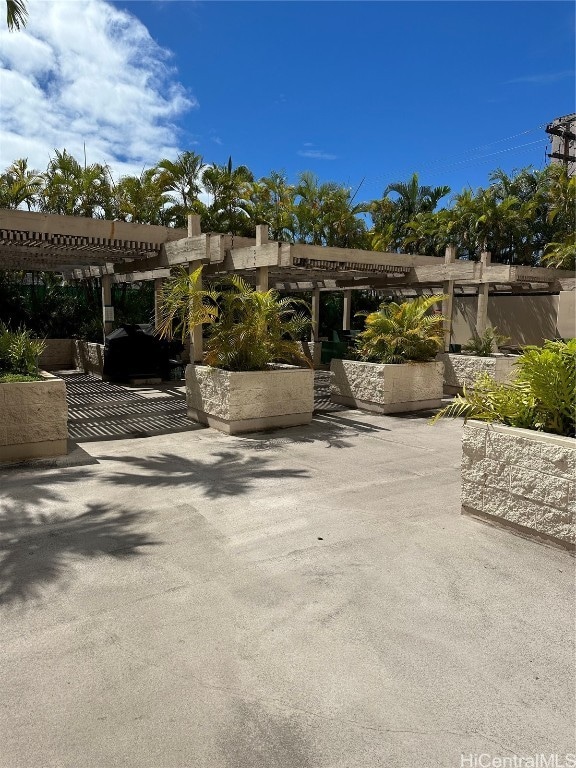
{"points": [[116, 251]]}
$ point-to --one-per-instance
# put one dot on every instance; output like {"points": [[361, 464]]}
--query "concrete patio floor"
{"points": [[308, 598]]}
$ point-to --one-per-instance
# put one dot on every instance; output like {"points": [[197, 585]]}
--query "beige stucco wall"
{"points": [[522, 477], [387, 388], [58, 353], [33, 419], [524, 319]]}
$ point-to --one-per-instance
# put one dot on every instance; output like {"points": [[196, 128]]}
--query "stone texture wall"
{"points": [[522, 477], [239, 396], [33, 419], [59, 353], [387, 388], [463, 370], [88, 357]]}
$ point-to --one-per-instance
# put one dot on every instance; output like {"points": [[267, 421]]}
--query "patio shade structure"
{"points": [[116, 251]]}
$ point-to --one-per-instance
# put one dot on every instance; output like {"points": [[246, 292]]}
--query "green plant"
{"points": [[19, 352], [486, 343], [247, 330], [542, 397], [398, 333]]}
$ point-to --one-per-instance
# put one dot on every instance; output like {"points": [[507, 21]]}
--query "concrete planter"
{"points": [[387, 388], [521, 478], [33, 419], [249, 401], [462, 370]]}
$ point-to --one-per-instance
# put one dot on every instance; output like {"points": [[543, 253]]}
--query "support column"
{"points": [[482, 310], [315, 313], [347, 310], [261, 272], [194, 228], [158, 283], [196, 347], [107, 308], [447, 303]]}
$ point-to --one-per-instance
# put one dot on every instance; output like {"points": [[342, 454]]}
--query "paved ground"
{"points": [[309, 598]]}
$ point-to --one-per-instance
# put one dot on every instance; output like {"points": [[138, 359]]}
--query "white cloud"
{"points": [[87, 73], [544, 78], [316, 154]]}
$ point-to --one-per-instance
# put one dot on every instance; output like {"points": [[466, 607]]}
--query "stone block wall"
{"points": [[521, 477], [463, 370], [88, 357], [248, 400], [387, 388], [33, 419]]}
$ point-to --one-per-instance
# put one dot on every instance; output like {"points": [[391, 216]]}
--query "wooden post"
{"points": [[482, 310], [194, 228], [196, 348], [107, 308], [448, 290], [347, 309], [315, 313], [158, 283], [261, 272]]}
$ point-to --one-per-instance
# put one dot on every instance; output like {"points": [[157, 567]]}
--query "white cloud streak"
{"points": [[316, 154], [87, 73], [544, 78]]}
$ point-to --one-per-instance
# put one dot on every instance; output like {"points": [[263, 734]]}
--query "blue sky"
{"points": [[350, 90]]}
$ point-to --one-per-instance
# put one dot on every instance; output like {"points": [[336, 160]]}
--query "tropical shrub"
{"points": [[400, 333], [19, 352], [484, 344], [247, 330], [542, 396]]}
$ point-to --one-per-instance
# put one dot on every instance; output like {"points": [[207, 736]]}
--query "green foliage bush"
{"points": [[247, 330], [542, 396], [19, 352], [484, 344], [400, 333]]}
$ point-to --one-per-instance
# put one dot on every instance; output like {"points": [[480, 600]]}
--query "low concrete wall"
{"points": [[521, 478], [88, 357], [58, 354], [249, 401], [33, 419], [387, 388], [463, 370]]}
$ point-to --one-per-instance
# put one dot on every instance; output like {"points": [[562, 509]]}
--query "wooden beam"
{"points": [[28, 221], [347, 308]]}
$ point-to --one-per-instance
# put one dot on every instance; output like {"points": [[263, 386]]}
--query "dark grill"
{"points": [[134, 352]]}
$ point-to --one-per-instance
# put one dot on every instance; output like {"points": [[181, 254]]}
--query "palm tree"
{"points": [[75, 190], [16, 14], [142, 199], [19, 185], [411, 200], [182, 176], [230, 191]]}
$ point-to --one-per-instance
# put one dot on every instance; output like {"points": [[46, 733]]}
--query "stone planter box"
{"points": [[249, 401], [387, 388], [33, 419], [58, 354], [520, 478], [462, 370]]}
